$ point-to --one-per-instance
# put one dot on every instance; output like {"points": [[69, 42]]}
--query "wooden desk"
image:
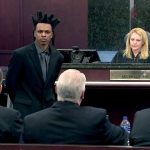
{"points": [[102, 92], [101, 72]]}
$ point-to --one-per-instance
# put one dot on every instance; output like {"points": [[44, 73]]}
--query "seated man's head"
{"points": [[71, 86], [1, 78]]}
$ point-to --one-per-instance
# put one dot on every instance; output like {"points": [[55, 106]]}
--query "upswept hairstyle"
{"points": [[41, 17], [144, 50]]}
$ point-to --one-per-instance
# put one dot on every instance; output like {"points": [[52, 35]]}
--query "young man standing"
{"points": [[34, 68]]}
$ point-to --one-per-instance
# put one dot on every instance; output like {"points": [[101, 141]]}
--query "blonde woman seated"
{"points": [[136, 50]]}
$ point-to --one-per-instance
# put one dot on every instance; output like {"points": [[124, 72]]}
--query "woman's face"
{"points": [[136, 42]]}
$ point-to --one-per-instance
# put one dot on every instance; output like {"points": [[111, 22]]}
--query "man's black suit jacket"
{"points": [[24, 80], [69, 123], [140, 133], [11, 124]]}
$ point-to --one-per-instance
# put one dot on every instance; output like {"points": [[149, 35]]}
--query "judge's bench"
{"points": [[120, 88]]}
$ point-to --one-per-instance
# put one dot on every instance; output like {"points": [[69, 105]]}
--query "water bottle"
{"points": [[126, 125]]}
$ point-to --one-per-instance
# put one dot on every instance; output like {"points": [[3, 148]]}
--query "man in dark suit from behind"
{"points": [[10, 122], [34, 68], [140, 133], [66, 122]]}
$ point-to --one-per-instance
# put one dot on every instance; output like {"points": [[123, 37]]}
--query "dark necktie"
{"points": [[44, 63]]}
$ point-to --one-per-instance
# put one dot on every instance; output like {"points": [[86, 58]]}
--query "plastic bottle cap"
{"points": [[125, 117]]}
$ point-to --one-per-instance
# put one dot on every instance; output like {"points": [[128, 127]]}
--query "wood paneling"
{"points": [[16, 23], [66, 147], [10, 31]]}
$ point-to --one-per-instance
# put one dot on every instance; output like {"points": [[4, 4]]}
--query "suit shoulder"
{"points": [[57, 52], [95, 110], [37, 115], [147, 110], [24, 49], [8, 111]]}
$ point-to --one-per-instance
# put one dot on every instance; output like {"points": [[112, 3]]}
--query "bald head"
{"points": [[71, 85]]}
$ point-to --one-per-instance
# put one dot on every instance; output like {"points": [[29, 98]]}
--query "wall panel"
{"points": [[16, 27], [10, 30]]}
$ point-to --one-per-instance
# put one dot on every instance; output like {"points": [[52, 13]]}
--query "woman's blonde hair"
{"points": [[144, 50]]}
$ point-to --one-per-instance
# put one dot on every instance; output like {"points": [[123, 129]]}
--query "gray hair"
{"points": [[70, 85]]}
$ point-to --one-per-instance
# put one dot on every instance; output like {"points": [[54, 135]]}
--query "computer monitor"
{"points": [[79, 55], [106, 56]]}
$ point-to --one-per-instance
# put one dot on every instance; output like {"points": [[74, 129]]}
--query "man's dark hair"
{"points": [[44, 18]]}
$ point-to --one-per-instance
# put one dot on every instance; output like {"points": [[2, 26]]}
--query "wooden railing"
{"points": [[66, 147]]}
